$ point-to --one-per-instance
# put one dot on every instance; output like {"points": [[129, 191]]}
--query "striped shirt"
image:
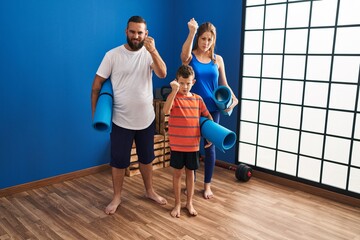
{"points": [[184, 129]]}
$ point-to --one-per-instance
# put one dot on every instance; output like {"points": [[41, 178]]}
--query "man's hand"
{"points": [[149, 44]]}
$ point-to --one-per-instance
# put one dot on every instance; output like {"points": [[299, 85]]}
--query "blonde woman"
{"points": [[198, 52]]}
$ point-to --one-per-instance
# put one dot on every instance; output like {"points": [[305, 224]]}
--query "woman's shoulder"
{"points": [[218, 57], [219, 61]]}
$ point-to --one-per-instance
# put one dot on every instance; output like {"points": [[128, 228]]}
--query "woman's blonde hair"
{"points": [[206, 27]]}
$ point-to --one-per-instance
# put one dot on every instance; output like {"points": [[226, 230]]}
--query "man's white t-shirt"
{"points": [[131, 79]]}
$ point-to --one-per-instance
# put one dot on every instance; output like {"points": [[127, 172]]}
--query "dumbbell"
{"points": [[243, 172]]}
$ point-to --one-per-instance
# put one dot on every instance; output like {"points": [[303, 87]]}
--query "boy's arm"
{"points": [[204, 111], [209, 117], [170, 99]]}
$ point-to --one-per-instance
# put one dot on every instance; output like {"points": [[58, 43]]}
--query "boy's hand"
{"points": [[175, 86], [208, 144]]}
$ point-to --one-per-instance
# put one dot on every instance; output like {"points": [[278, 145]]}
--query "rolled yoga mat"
{"points": [[103, 113], [221, 137], [223, 99]]}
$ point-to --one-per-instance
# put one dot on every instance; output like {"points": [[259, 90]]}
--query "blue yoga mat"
{"points": [[223, 99], [221, 137], [103, 113]]}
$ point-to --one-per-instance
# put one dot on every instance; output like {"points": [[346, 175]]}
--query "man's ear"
{"points": [[194, 81]]}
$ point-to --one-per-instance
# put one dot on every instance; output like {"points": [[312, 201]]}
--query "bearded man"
{"points": [[129, 68]]}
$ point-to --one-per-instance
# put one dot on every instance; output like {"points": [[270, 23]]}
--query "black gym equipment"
{"points": [[243, 172]]}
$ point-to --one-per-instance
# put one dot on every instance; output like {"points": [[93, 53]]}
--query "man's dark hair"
{"points": [[184, 71], [136, 19]]}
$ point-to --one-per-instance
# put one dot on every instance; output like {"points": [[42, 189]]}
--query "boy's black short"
{"points": [[188, 159]]}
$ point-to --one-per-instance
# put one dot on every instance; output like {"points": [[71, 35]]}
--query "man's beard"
{"points": [[133, 46]]}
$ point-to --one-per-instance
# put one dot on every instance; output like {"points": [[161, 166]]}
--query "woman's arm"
{"points": [[223, 81], [187, 46]]}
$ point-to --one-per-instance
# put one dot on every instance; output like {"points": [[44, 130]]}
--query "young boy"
{"points": [[185, 109]]}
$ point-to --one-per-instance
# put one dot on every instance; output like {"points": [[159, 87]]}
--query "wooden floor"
{"points": [[253, 210]]}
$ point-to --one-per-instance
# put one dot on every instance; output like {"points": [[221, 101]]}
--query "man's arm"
{"points": [[96, 87], [158, 65]]}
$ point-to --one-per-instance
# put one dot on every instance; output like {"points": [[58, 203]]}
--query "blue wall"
{"points": [[50, 51]]}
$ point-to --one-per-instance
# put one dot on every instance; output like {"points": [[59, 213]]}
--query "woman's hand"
{"points": [[235, 102], [193, 25]]}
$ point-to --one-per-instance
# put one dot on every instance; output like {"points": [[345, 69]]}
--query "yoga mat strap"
{"points": [[106, 93], [202, 121]]}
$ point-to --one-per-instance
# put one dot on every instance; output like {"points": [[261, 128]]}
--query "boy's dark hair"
{"points": [[136, 19], [184, 71]]}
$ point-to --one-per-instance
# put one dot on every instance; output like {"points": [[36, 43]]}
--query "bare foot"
{"points": [[208, 194], [191, 210], [112, 207], [176, 211], [156, 197]]}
